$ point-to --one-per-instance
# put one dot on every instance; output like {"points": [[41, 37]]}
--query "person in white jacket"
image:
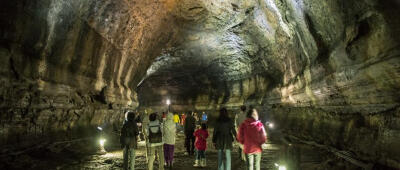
{"points": [[154, 132], [169, 134]]}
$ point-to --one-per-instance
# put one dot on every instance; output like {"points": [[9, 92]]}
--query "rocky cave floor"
{"points": [[83, 154]]}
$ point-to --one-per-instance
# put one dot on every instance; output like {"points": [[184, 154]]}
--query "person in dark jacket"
{"points": [[189, 127], [223, 137], [128, 140]]}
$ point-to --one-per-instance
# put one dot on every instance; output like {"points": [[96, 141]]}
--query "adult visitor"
{"points": [[189, 127], [154, 132], [223, 137], [169, 135], [128, 140]]}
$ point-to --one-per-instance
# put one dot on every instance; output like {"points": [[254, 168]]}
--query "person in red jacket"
{"points": [[252, 135], [201, 145]]}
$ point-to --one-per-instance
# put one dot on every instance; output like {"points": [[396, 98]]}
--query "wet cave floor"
{"points": [[84, 155]]}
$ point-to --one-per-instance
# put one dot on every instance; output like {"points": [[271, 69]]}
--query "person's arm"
{"points": [[263, 135], [122, 135], [214, 137]]}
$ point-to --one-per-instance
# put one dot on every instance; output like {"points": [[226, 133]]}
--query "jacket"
{"points": [[176, 118], [190, 125], [224, 134], [201, 139], [169, 130], [129, 133], [252, 136]]}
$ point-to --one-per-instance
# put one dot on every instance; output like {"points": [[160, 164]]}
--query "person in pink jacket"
{"points": [[252, 135], [201, 145]]}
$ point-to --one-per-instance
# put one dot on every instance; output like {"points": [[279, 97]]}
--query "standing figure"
{"points": [[204, 117], [145, 126], [239, 119], [223, 137], [189, 127], [169, 133], [201, 145], [252, 136], [176, 120], [128, 140], [155, 142], [183, 118]]}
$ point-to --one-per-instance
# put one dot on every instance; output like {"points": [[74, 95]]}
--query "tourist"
{"points": [[204, 117], [176, 120], [169, 132], [183, 118], [145, 125], [189, 127], [128, 140], [223, 137], [239, 118], [252, 136], [201, 145], [154, 133]]}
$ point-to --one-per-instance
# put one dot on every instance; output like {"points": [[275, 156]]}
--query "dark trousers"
{"points": [[189, 143]]}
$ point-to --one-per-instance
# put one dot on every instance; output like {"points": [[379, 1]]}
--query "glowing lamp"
{"points": [[102, 141], [168, 102], [271, 125]]}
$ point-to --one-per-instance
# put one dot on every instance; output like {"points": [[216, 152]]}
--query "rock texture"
{"points": [[71, 64], [326, 71]]}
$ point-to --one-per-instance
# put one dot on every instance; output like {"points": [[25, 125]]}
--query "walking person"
{"points": [[204, 117], [223, 137], [155, 142], [201, 145], [252, 135], [128, 140], [189, 127], [177, 120], [169, 134], [239, 119], [145, 126]]}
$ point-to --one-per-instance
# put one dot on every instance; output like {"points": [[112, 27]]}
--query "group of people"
{"points": [[160, 138]]}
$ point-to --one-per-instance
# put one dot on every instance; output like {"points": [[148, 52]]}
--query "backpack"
{"points": [[155, 137]]}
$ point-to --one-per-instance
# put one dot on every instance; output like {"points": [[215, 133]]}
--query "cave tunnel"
{"points": [[324, 77]]}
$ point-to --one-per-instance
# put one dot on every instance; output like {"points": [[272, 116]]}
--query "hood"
{"points": [[170, 117], [253, 123]]}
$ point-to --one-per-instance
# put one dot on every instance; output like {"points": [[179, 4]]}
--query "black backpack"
{"points": [[155, 137]]}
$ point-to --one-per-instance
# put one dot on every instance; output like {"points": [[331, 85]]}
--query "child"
{"points": [[201, 145]]}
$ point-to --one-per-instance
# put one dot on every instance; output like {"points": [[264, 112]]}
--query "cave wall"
{"points": [[70, 65], [326, 71]]}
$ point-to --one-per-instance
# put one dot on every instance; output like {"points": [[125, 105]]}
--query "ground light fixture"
{"points": [[280, 167], [168, 102], [271, 125]]}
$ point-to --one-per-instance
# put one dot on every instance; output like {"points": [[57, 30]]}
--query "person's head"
{"points": [[223, 113], [130, 115], [203, 126], [153, 116], [243, 108], [252, 113]]}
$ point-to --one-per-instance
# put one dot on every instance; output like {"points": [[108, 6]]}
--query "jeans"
{"points": [[129, 156], [227, 164], [200, 154], [169, 153], [189, 143], [152, 157], [253, 161]]}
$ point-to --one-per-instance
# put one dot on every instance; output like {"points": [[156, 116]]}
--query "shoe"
{"points": [[196, 163], [203, 163]]}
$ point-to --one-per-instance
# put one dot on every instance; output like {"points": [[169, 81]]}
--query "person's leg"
{"points": [[193, 139], [250, 161], [161, 157], [187, 143], [132, 158], [166, 154], [126, 158], [220, 159], [151, 156], [257, 161], [172, 154], [228, 159]]}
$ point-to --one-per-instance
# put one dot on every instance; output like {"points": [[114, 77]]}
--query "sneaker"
{"points": [[196, 163], [203, 163]]}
